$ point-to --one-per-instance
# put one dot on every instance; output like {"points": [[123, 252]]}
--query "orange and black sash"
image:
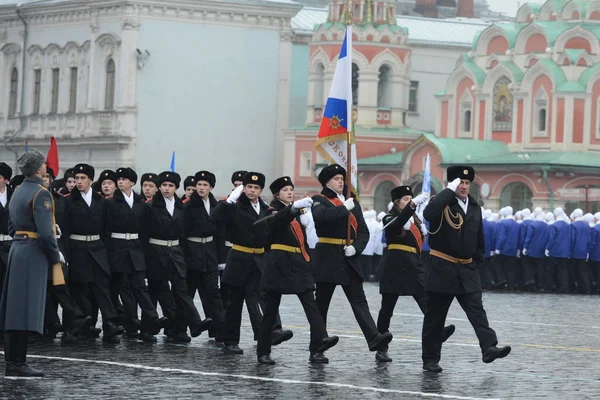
{"points": [[297, 231], [337, 202], [417, 234]]}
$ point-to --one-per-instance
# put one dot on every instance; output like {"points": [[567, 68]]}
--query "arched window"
{"points": [[542, 120], [517, 195], [540, 114], [593, 206], [467, 121], [109, 99], [320, 85], [384, 88], [12, 101], [355, 73], [475, 192], [382, 195]]}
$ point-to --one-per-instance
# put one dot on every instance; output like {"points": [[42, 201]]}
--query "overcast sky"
{"points": [[509, 7]]}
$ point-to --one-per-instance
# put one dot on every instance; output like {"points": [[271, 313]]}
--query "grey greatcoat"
{"points": [[24, 295]]}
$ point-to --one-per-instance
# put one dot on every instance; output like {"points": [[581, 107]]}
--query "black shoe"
{"points": [[147, 337], [157, 324], [266, 359], [327, 343], [48, 334], [380, 341], [132, 334], [56, 328], [232, 349], [318, 358], [181, 337], [382, 356], [81, 325], [492, 353], [111, 339], [431, 366], [200, 327], [112, 330], [69, 338], [449, 331], [21, 370], [92, 332], [281, 335]]}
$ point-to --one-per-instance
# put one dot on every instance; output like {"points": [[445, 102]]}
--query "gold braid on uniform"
{"points": [[448, 216]]}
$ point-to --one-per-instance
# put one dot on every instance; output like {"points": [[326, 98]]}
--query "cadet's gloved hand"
{"points": [[496, 251], [524, 252], [518, 253], [424, 229], [58, 231], [454, 184], [420, 199], [492, 253], [303, 203], [306, 218], [62, 258], [547, 252], [221, 267], [349, 251], [349, 204], [408, 224], [235, 195]]}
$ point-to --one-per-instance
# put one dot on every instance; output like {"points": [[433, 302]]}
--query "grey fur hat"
{"points": [[30, 162]]}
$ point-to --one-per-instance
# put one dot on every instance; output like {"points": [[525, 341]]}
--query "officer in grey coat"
{"points": [[33, 251]]}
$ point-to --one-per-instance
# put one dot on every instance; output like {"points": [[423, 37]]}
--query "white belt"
{"points": [[166, 243], [84, 238], [5, 238], [200, 239], [125, 236], [57, 236], [228, 244]]}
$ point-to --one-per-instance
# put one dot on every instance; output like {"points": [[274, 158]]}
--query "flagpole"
{"points": [[349, 18]]}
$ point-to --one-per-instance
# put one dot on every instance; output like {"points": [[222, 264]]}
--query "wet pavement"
{"points": [[555, 341]]}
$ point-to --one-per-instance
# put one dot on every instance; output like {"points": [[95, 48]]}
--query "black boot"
{"points": [[17, 366], [380, 341], [232, 349], [494, 352], [382, 356], [81, 325], [147, 337], [431, 366], [448, 331], [69, 338], [318, 358], [281, 335], [111, 330], [266, 359], [200, 327], [327, 343]]}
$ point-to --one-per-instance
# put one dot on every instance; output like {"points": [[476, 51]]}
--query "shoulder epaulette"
{"points": [[66, 195], [186, 200], [148, 201]]}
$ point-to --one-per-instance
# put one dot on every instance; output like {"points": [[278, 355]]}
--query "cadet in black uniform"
{"points": [[149, 183], [336, 262], [108, 182], [5, 239], [189, 185], [204, 240], [288, 271], [457, 246], [166, 262], [245, 260], [402, 273]]}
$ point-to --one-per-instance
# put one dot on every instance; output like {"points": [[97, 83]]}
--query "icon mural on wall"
{"points": [[502, 119]]}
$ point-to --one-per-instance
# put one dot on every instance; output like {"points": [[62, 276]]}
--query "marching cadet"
{"points": [[149, 182], [5, 238], [336, 261], [69, 177], [165, 260], [457, 246], [108, 182], [189, 185], [204, 241], [558, 249], [287, 270], [33, 251], [88, 264], [527, 264], [534, 246], [580, 237], [239, 212], [125, 213], [402, 273]]}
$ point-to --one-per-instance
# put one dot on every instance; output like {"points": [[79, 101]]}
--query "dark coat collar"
{"points": [[244, 203], [196, 201], [119, 196], [327, 192], [277, 205], [76, 195], [158, 201]]}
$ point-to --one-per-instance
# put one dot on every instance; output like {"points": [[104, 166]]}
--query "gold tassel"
{"points": [[58, 278]]}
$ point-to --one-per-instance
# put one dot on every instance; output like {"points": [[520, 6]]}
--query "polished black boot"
{"points": [[16, 366], [318, 358], [232, 349], [111, 330], [493, 352], [382, 356], [266, 359], [200, 327], [431, 366], [81, 325], [380, 341], [449, 331], [281, 335]]}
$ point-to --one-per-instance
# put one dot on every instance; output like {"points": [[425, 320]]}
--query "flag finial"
{"points": [[348, 13]]}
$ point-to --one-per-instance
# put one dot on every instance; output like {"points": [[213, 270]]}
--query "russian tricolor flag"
{"points": [[337, 117]]}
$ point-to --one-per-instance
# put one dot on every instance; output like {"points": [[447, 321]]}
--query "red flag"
{"points": [[52, 157]]}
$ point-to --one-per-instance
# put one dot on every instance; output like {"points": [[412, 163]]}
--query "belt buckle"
{"points": [[460, 260], [169, 243], [203, 240], [128, 236], [88, 238]]}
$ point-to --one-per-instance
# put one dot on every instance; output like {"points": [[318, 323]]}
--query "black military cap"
{"points": [[108, 174], [401, 191], [70, 173], [149, 177], [460, 171], [280, 183], [50, 172], [329, 172], [168, 176], [85, 169], [254, 178], [207, 177], [238, 176], [16, 181], [57, 185], [127, 173], [189, 181], [5, 170]]}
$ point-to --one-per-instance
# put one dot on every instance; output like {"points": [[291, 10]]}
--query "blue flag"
{"points": [[172, 168]]}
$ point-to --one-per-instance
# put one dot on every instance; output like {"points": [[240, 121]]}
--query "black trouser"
{"points": [[557, 275], [511, 270], [540, 274], [255, 302], [595, 273], [56, 295], [496, 268], [100, 288], [233, 315], [15, 346], [485, 273], [207, 286], [366, 266], [140, 292], [317, 326], [130, 304], [435, 318], [529, 272], [582, 275], [388, 303], [356, 297]]}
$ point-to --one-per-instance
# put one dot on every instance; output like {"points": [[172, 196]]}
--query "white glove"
{"points": [[496, 251], [349, 204], [587, 257], [349, 251], [524, 252], [235, 195], [221, 267], [518, 253], [62, 257], [424, 230], [303, 203], [454, 184], [408, 224], [547, 252], [58, 231], [420, 199], [306, 219], [492, 253]]}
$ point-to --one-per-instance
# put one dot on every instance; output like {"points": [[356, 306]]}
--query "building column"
{"points": [[91, 92], [283, 92], [127, 72]]}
